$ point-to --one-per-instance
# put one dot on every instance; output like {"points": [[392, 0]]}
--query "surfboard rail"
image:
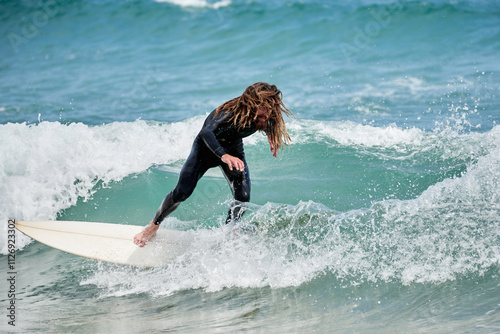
{"points": [[107, 242]]}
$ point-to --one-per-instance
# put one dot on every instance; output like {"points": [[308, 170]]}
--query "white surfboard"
{"points": [[107, 242]]}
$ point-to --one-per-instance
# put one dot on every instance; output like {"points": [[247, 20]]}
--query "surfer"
{"points": [[219, 143]]}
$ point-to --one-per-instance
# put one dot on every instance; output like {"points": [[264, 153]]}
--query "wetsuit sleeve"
{"points": [[207, 134]]}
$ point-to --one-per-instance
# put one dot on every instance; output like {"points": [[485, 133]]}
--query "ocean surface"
{"points": [[382, 216]]}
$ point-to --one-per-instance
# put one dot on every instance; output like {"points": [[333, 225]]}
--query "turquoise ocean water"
{"points": [[383, 216]]}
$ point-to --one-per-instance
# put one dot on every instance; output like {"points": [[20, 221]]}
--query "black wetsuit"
{"points": [[217, 137]]}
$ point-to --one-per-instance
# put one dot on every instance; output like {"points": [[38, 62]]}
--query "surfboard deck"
{"points": [[107, 242]]}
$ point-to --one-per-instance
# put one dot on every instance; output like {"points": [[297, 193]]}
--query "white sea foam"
{"points": [[351, 133], [45, 168], [453, 225], [449, 230], [392, 141]]}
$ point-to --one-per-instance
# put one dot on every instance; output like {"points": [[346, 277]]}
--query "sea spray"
{"points": [[48, 167]]}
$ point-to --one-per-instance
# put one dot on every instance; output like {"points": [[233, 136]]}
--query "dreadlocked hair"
{"points": [[244, 109]]}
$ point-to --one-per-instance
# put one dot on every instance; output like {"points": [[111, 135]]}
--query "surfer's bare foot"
{"points": [[143, 237]]}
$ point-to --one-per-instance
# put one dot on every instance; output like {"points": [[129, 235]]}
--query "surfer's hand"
{"points": [[143, 237], [233, 162]]}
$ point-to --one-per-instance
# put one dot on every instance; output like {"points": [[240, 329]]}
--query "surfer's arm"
{"points": [[207, 134]]}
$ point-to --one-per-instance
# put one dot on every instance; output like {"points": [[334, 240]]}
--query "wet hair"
{"points": [[245, 107]]}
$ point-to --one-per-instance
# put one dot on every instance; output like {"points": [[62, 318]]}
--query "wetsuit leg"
{"points": [[195, 167], [239, 182]]}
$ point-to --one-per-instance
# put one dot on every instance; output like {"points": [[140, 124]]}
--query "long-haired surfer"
{"points": [[220, 144]]}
